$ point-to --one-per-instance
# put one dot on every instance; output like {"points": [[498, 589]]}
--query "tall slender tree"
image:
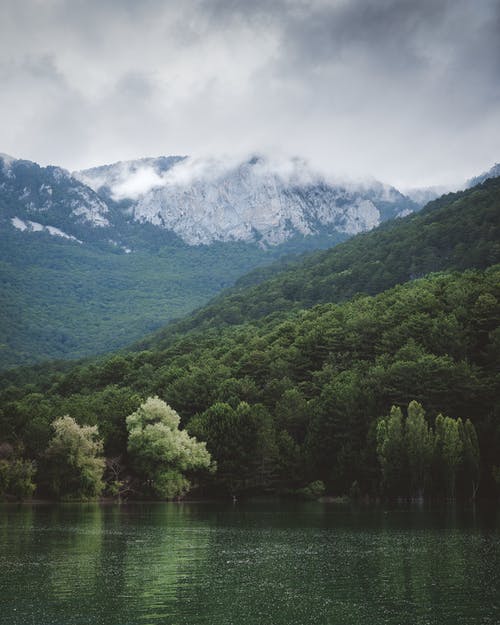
{"points": [[419, 446]]}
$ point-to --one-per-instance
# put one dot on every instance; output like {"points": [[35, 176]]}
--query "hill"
{"points": [[289, 390]]}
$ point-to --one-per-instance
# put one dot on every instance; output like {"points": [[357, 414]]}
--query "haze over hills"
{"points": [[493, 172], [87, 270]]}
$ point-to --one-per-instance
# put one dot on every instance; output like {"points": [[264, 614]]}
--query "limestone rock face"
{"points": [[208, 200]]}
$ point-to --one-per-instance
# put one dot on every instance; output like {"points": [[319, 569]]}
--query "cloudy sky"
{"points": [[405, 90]]}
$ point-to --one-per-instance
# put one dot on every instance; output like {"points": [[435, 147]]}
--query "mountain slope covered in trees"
{"points": [[289, 387], [283, 403], [457, 231], [86, 271]]}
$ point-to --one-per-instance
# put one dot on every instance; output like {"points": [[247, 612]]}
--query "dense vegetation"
{"points": [[393, 394], [457, 231], [285, 403], [65, 300]]}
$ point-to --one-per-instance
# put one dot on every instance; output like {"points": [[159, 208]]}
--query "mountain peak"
{"points": [[256, 199], [493, 172]]}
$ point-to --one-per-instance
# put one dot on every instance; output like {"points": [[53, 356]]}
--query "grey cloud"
{"points": [[407, 91]]}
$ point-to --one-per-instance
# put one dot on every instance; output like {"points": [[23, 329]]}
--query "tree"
{"points": [[471, 455], [390, 450], [419, 447], [450, 446], [16, 474], [160, 452], [242, 441], [75, 463]]}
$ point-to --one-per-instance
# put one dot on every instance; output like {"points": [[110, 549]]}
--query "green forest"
{"points": [[370, 369], [457, 231], [64, 300]]}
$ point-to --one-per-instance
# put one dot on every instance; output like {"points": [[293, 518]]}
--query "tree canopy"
{"points": [[160, 453]]}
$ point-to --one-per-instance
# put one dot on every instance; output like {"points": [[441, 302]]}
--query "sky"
{"points": [[406, 91]]}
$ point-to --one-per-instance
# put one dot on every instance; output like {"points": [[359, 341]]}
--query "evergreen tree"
{"points": [[419, 446], [391, 451]]}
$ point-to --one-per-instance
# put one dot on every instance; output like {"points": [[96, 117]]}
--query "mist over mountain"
{"points": [[49, 195], [255, 200], [493, 172], [422, 195]]}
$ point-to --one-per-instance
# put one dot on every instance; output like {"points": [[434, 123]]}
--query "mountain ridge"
{"points": [[255, 200]]}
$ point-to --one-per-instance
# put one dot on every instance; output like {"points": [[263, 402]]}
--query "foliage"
{"points": [[16, 474], [74, 463], [314, 490], [288, 387], [282, 403], [63, 300], [451, 449], [160, 452], [419, 445], [457, 231], [391, 450], [408, 447]]}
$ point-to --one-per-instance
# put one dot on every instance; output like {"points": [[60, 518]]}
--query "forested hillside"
{"points": [[84, 271], [294, 386], [284, 403], [457, 231], [62, 300]]}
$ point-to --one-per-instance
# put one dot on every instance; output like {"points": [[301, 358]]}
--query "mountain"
{"points": [[493, 172], [286, 380], [257, 200], [34, 198], [88, 270], [423, 195]]}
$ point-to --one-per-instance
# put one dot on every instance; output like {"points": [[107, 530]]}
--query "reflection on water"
{"points": [[254, 563]]}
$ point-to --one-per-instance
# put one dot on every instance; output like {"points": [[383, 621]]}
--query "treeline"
{"points": [[160, 456], [455, 232], [283, 403], [416, 458]]}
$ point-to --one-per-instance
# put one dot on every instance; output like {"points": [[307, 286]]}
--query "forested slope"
{"points": [[457, 231], [285, 403], [286, 393]]}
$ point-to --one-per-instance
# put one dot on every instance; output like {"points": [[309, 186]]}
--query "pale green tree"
{"points": [[74, 458], [449, 448], [471, 455], [391, 451], [419, 447], [161, 454]]}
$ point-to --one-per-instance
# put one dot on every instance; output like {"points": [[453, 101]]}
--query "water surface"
{"points": [[248, 564]]}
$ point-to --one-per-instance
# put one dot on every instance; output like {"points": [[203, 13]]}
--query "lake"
{"points": [[256, 563]]}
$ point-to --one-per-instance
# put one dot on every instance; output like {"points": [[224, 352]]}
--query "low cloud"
{"points": [[405, 91], [137, 183]]}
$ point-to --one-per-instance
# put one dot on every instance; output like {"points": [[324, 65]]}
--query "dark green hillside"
{"points": [[286, 392], [457, 231], [284, 403], [60, 299]]}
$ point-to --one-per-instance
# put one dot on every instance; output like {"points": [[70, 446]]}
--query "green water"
{"points": [[252, 563]]}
